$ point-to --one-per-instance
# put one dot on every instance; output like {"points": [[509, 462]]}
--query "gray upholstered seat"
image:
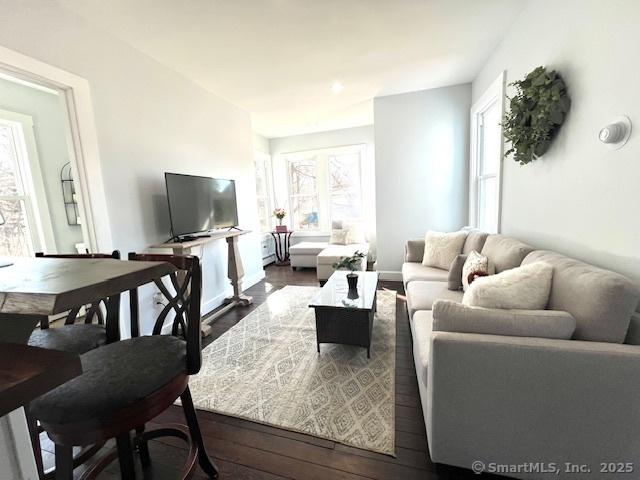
{"points": [[416, 271], [421, 295], [114, 376], [77, 338]]}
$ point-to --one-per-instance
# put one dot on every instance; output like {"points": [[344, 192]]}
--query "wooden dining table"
{"points": [[31, 290]]}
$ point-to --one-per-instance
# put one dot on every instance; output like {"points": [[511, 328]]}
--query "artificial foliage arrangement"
{"points": [[535, 115], [349, 263]]}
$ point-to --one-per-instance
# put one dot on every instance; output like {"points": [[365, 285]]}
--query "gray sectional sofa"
{"points": [[529, 398]]}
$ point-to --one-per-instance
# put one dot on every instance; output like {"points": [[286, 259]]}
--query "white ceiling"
{"points": [[278, 58]]}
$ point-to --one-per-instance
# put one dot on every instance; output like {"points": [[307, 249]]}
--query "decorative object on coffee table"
{"points": [[282, 241], [280, 213], [341, 318], [350, 263]]}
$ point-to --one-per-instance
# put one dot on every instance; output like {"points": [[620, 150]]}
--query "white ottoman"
{"points": [[333, 253], [304, 254]]}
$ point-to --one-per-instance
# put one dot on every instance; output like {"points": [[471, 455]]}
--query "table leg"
{"points": [[236, 274]]}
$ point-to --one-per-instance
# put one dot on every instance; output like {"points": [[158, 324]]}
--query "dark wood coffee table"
{"points": [[346, 317]]}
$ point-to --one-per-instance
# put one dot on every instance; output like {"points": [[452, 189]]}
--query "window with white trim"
{"points": [[325, 186], [486, 158], [264, 190], [25, 225]]}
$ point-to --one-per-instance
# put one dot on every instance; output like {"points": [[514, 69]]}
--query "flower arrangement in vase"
{"points": [[280, 213]]}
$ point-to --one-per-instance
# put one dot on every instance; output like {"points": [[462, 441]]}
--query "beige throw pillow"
{"points": [[476, 265], [440, 249], [355, 233], [338, 237], [525, 288]]}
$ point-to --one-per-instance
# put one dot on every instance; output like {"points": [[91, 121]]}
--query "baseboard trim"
{"points": [[390, 275]]}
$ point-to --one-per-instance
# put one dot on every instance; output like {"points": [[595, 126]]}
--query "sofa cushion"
{"points": [[422, 294], [333, 253], [307, 248], [440, 248], [601, 301], [475, 241], [416, 271], [421, 328], [455, 317], [454, 279], [505, 252], [525, 287], [414, 250]]}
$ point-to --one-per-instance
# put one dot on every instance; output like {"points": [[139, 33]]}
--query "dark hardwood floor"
{"points": [[247, 450]]}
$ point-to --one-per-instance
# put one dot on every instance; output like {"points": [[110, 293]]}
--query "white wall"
{"points": [[320, 140], [422, 156], [51, 139], [149, 120], [260, 143], [581, 198]]}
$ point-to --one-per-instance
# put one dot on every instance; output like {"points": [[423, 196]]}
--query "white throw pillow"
{"points": [[338, 237], [441, 248], [476, 264], [355, 233], [524, 288]]}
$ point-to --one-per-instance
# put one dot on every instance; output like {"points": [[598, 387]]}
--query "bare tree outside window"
{"points": [[304, 194], [345, 186], [15, 235]]}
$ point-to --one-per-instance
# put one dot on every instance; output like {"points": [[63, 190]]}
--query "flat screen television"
{"points": [[199, 204]]}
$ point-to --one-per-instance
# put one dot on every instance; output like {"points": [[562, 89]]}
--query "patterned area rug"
{"points": [[266, 369]]}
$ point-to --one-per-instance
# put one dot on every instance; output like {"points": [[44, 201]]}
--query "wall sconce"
{"points": [[616, 134]]}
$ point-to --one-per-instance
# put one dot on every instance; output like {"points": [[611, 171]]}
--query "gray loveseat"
{"points": [[527, 400]]}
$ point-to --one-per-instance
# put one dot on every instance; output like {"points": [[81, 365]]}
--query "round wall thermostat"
{"points": [[616, 134]]}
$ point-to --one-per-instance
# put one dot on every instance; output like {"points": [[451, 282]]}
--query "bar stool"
{"points": [[126, 384]]}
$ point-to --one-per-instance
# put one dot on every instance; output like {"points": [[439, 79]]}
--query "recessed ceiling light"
{"points": [[337, 87]]}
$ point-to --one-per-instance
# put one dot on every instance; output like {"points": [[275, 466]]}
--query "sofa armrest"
{"points": [[414, 250], [512, 400], [451, 316]]}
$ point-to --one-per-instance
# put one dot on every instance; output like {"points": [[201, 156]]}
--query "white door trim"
{"points": [[83, 140], [494, 93]]}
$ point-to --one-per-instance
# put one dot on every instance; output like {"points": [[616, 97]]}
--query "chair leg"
{"points": [[64, 462], [34, 433], [207, 465], [142, 447], [125, 457]]}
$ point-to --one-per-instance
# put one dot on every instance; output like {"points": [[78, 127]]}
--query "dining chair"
{"points": [[77, 337], [79, 334], [128, 383]]}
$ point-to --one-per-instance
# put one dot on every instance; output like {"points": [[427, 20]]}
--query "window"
{"points": [[325, 186], [303, 194], [264, 190], [22, 230], [486, 158], [345, 194]]}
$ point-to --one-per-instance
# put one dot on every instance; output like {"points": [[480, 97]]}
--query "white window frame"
{"points": [[495, 93], [34, 196], [265, 159], [75, 96], [323, 188]]}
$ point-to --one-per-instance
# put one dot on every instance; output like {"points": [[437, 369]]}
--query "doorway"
{"points": [[34, 153]]}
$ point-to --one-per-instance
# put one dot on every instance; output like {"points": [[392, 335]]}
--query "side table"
{"points": [[282, 241]]}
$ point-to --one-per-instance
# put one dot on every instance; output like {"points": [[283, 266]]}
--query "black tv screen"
{"points": [[199, 204]]}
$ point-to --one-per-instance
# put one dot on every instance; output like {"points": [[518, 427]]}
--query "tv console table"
{"points": [[235, 269]]}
